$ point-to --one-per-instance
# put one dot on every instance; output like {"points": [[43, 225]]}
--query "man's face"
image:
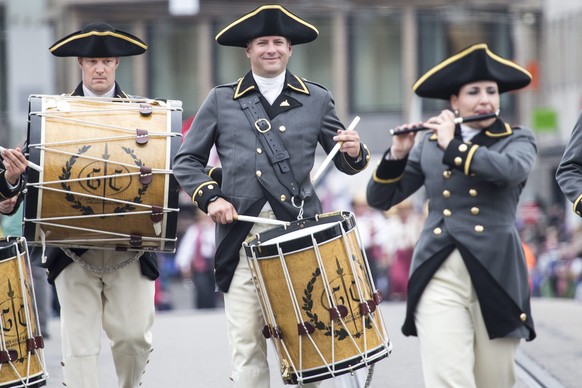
{"points": [[98, 73], [269, 55]]}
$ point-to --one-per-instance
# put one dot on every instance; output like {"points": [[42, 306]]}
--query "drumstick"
{"points": [[261, 220], [334, 151], [28, 162]]}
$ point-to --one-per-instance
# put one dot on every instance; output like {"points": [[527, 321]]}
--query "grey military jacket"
{"points": [[568, 174], [473, 190], [303, 116]]}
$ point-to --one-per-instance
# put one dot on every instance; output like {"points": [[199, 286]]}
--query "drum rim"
{"points": [[345, 366], [9, 248], [339, 220]]}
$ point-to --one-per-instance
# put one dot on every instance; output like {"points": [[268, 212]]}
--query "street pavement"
{"points": [[191, 350]]}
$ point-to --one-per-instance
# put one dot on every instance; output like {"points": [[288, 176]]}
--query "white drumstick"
{"points": [[261, 220], [334, 151], [28, 162]]}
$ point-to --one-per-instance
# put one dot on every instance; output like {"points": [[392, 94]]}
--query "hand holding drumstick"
{"points": [[14, 164], [18, 151]]}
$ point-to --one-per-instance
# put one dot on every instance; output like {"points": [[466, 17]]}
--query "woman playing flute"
{"points": [[468, 293]]}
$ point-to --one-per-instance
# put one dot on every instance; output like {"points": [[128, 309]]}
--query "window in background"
{"points": [[172, 64], [375, 61]]}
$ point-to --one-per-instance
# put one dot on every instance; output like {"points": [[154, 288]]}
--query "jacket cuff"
{"points": [[204, 193], [389, 171], [361, 162], [459, 155], [5, 190]]}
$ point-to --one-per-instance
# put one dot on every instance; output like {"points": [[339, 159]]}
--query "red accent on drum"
{"points": [[305, 328], [266, 331], [377, 297], [145, 175], [340, 311], [135, 240], [39, 340], [157, 213], [30, 345], [4, 357], [367, 307], [145, 109]]}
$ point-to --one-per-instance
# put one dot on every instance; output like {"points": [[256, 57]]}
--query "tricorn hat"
{"points": [[475, 63], [267, 20], [98, 40]]}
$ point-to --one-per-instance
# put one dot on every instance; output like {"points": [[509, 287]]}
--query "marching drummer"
{"points": [[121, 301], [266, 127]]}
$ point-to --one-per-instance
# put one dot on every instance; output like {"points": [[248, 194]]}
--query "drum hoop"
{"points": [[337, 221]]}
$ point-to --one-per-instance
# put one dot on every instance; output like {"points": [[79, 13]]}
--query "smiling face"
{"points": [[269, 55], [98, 73], [477, 98]]}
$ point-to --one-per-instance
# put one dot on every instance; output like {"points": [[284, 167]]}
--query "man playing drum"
{"points": [[121, 301], [266, 128]]}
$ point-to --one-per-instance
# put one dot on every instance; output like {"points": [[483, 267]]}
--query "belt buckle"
{"points": [[257, 125]]}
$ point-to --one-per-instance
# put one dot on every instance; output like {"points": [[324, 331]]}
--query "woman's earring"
{"points": [[456, 111]]}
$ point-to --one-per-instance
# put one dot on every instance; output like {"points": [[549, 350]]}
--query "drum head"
{"points": [[298, 235]]}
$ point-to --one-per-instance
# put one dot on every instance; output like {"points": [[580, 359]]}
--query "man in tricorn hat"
{"points": [[468, 290], [121, 302], [268, 103]]}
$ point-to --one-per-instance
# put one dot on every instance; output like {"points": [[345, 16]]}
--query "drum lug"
{"points": [[39, 341], [367, 307], [141, 136], [145, 109], [30, 345], [8, 355], [135, 240], [145, 175]]}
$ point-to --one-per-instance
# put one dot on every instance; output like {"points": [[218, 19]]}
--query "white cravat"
{"points": [[468, 133], [109, 93], [270, 88]]}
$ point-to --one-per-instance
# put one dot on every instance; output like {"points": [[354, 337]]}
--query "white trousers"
{"points": [[119, 302], [455, 348], [248, 346]]}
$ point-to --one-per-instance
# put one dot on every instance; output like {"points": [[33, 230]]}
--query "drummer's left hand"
{"points": [[350, 142], [15, 164]]}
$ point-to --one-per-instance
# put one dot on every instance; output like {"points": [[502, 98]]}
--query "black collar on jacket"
{"points": [[117, 94]]}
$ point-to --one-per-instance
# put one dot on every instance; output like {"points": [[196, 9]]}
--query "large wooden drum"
{"points": [[318, 298], [22, 361], [106, 179]]}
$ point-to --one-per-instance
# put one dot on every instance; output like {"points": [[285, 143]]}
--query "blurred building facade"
{"points": [[369, 53]]}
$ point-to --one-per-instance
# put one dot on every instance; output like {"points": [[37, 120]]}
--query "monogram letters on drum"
{"points": [[106, 179]]}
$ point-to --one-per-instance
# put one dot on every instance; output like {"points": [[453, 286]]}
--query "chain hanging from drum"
{"points": [[106, 179]]}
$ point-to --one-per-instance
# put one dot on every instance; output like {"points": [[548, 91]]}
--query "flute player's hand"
{"points": [[402, 144], [444, 126]]}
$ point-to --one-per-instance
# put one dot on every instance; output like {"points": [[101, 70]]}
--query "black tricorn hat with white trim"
{"points": [[475, 63], [98, 40], [267, 20]]}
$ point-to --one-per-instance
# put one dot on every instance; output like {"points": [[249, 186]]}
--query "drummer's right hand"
{"points": [[221, 211], [14, 163]]}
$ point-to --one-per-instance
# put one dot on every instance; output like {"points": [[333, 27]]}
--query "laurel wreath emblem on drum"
{"points": [[88, 210], [340, 333]]}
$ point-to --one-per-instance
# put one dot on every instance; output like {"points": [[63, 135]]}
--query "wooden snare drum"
{"points": [[22, 361], [318, 298], [106, 179]]}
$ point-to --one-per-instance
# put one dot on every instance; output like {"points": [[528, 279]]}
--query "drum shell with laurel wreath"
{"points": [[90, 193], [285, 267], [19, 316]]}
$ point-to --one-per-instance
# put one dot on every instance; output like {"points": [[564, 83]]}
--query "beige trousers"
{"points": [[248, 346], [119, 302], [455, 348]]}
